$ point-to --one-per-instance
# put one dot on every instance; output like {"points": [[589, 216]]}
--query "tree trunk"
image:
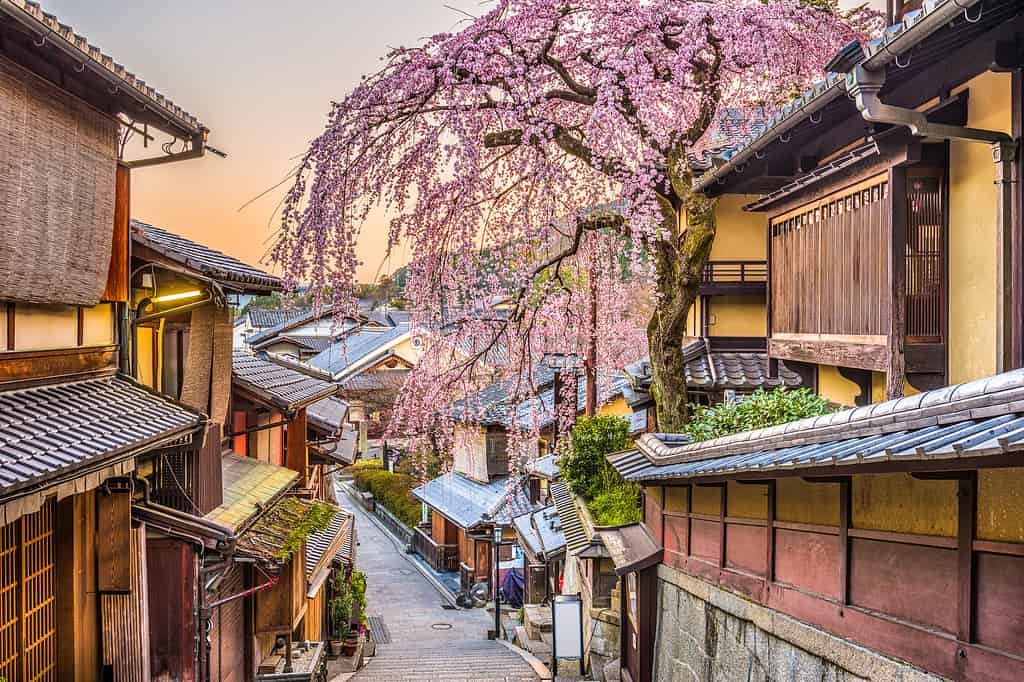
{"points": [[689, 222]]}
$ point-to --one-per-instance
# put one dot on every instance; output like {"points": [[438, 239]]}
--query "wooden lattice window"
{"points": [[28, 628]]}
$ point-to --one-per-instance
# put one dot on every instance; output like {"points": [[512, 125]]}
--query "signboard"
{"points": [[567, 626]]}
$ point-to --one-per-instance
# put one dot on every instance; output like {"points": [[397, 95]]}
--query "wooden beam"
{"points": [[10, 325], [895, 371], [967, 511], [722, 503], [80, 326], [114, 552], [844, 541], [828, 352]]}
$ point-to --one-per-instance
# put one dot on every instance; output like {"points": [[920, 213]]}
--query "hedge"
{"points": [[390, 490]]}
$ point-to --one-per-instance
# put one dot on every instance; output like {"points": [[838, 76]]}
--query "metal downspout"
{"points": [[864, 85]]}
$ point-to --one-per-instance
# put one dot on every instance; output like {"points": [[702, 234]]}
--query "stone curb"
{"points": [[538, 667]]}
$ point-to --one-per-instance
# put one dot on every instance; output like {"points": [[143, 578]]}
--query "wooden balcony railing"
{"points": [[733, 277], [440, 557]]}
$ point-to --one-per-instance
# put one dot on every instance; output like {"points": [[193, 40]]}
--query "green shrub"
{"points": [[617, 505], [611, 499], [758, 410], [585, 468], [391, 491], [340, 607], [358, 583]]}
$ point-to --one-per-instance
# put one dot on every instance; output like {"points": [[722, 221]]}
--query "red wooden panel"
{"points": [[172, 569], [807, 560], [749, 585], [675, 534], [1000, 617], [675, 560], [745, 548], [705, 539], [927, 649], [652, 513], [910, 582]]}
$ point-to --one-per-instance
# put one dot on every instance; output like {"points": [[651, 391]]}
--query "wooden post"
{"points": [[1003, 155], [769, 573], [295, 458], [77, 602], [896, 365], [844, 541], [114, 551], [967, 505]]}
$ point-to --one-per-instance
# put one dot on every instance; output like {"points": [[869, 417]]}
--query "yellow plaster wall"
{"points": [[98, 325], [1001, 504], [972, 234], [737, 316], [144, 354], [903, 504], [675, 498], [739, 235], [38, 327], [616, 408], [835, 387], [706, 500], [798, 501], [746, 501]]}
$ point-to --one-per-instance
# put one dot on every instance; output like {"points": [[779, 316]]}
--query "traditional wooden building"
{"points": [[877, 542], [75, 426]]}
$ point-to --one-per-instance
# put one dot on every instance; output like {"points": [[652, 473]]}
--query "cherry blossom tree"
{"points": [[491, 145]]}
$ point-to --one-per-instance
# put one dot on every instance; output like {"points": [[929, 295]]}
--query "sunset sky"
{"points": [[261, 75]]}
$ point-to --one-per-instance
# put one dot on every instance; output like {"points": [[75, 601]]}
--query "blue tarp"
{"points": [[512, 588]]}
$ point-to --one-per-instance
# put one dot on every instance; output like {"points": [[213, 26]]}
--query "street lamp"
{"points": [[497, 581]]}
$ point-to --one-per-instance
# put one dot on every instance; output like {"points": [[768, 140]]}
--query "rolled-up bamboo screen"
{"points": [[58, 159]]}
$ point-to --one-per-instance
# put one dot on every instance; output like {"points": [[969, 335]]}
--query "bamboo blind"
{"points": [[28, 628], [58, 161]]}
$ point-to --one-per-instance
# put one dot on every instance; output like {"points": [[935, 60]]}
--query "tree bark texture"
{"points": [[689, 223]]}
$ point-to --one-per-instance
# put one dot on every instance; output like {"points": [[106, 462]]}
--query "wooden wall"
{"points": [[173, 579], [890, 561]]}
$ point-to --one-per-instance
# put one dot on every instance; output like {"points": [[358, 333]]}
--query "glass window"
{"points": [[631, 600]]}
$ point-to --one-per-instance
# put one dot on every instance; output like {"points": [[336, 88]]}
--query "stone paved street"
{"points": [[427, 641]]}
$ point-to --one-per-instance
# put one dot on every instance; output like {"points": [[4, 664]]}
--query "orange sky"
{"points": [[261, 75]]}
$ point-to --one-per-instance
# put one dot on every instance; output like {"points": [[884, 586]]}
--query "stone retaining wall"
{"points": [[706, 633]]}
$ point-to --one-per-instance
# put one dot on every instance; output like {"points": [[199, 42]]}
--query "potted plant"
{"points": [[340, 607]]}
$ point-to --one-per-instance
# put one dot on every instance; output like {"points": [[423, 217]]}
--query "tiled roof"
{"points": [[88, 56], [541, 531], [309, 342], [249, 486], [300, 318], [469, 504], [283, 387], [896, 41], [719, 369], [322, 547], [52, 431], [979, 418], [545, 467], [345, 354], [218, 266], [573, 527], [328, 414], [262, 318], [267, 537], [342, 450]]}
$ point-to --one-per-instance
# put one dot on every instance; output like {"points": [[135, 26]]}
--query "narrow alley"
{"points": [[422, 640]]}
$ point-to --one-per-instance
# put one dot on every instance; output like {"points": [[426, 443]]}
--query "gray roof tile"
{"points": [[283, 387], [209, 262], [342, 355], [51, 430], [469, 503]]}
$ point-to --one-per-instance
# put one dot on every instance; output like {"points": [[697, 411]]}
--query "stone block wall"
{"points": [[707, 634]]}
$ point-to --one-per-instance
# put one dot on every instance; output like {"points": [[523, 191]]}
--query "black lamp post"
{"points": [[497, 583]]}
